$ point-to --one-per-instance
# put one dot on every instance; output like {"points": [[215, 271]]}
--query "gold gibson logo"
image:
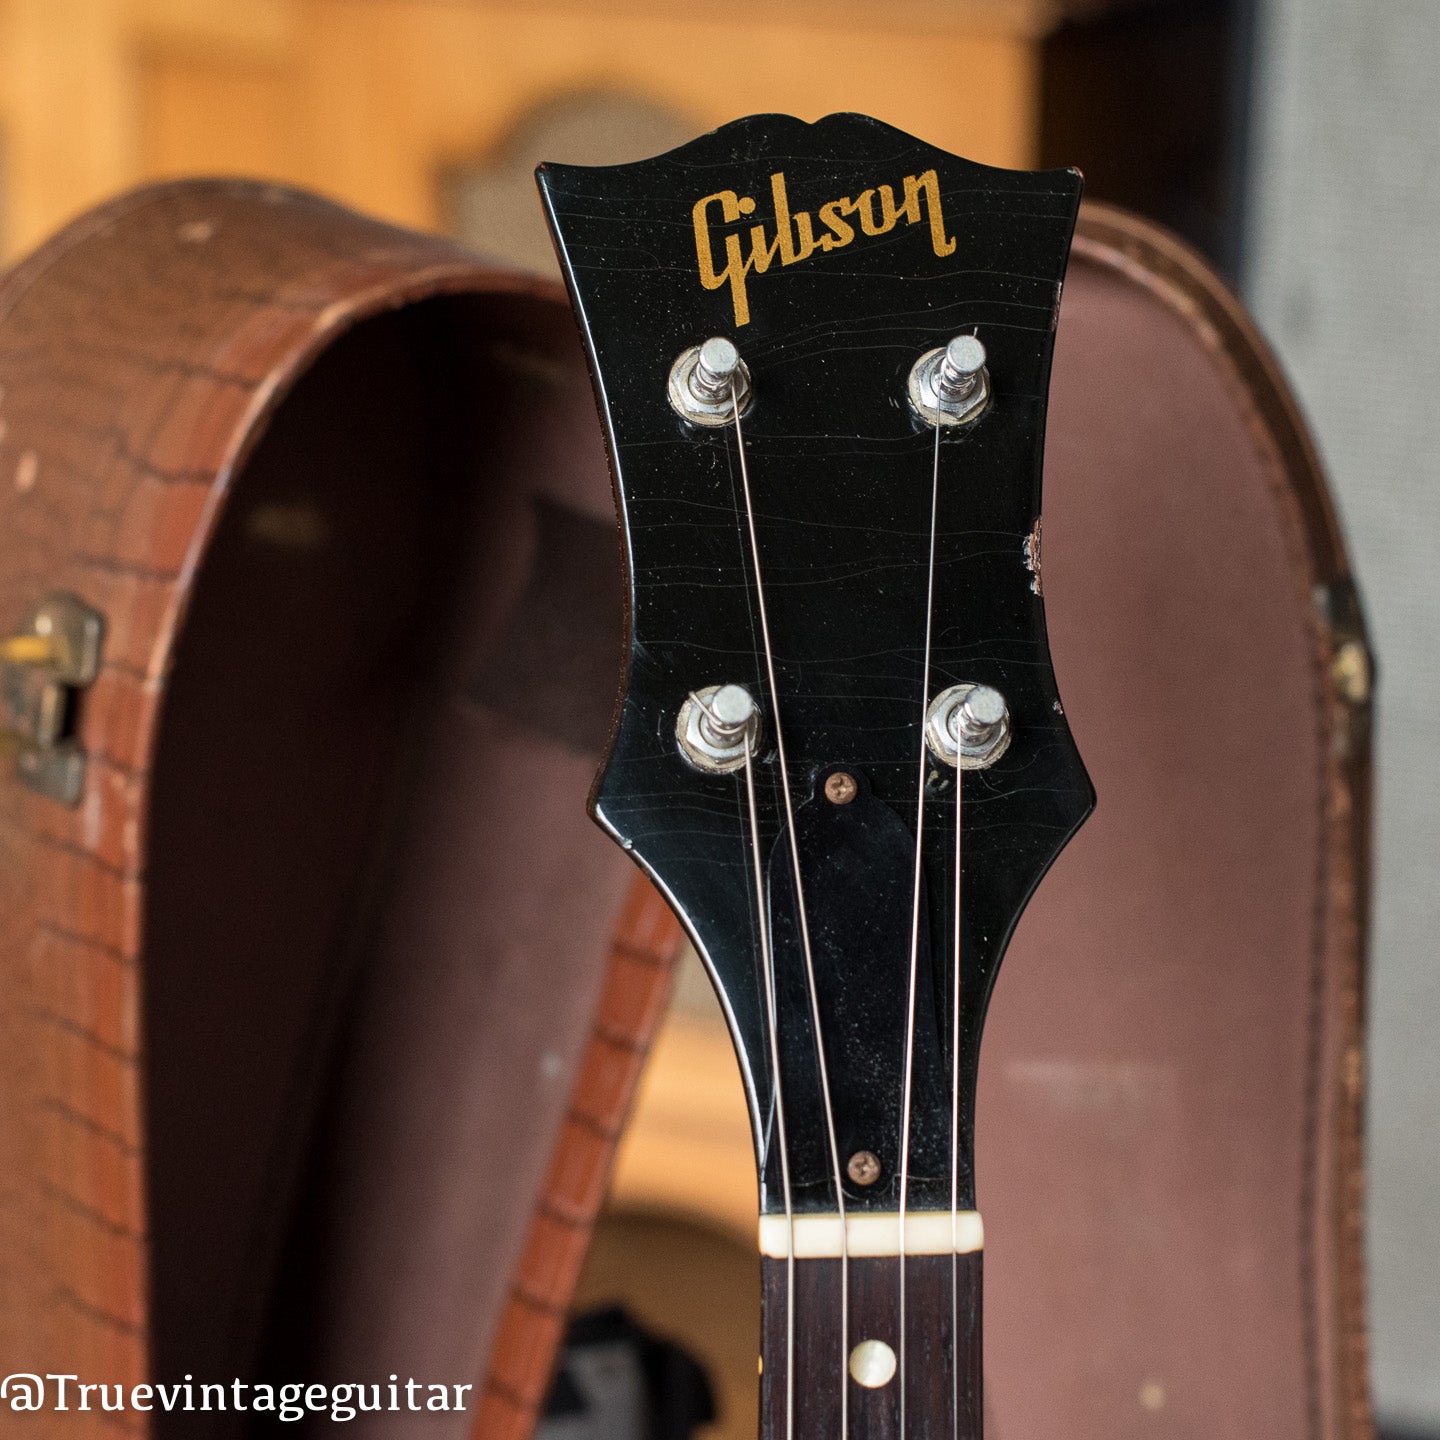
{"points": [[795, 239]]}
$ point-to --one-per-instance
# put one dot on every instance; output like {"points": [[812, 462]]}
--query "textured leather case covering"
{"points": [[319, 1017]]}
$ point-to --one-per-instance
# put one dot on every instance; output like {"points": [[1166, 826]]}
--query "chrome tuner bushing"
{"points": [[718, 727], [701, 381], [950, 386], [968, 726]]}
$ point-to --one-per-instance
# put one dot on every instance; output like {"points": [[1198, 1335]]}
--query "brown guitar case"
{"points": [[322, 1001]]}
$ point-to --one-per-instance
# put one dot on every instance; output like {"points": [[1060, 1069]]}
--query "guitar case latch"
{"points": [[45, 667]]}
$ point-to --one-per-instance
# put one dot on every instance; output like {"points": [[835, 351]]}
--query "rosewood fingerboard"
{"points": [[939, 1405]]}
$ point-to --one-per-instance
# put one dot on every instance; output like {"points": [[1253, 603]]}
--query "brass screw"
{"points": [[27, 650], [841, 789], [864, 1168]]}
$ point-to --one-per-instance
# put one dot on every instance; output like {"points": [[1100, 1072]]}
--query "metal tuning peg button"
{"points": [[951, 385], [708, 381], [968, 726], [718, 728]]}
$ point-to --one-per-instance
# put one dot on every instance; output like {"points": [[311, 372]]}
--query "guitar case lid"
{"points": [[321, 1000]]}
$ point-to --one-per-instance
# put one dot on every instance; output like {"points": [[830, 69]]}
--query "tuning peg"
{"points": [[968, 726], [718, 728], [951, 385], [708, 381]]}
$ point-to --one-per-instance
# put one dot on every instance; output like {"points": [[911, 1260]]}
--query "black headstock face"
{"points": [[833, 255]]}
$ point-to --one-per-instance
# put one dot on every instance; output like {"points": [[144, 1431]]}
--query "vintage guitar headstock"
{"points": [[821, 355]]}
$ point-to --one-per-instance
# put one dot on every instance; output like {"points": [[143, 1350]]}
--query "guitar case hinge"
{"points": [[45, 668]]}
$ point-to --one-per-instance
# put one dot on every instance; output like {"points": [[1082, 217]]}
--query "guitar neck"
{"points": [[834, 1325], [821, 355]]}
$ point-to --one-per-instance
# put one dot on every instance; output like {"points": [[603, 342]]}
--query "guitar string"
{"points": [[955, 1122], [915, 920], [804, 923], [767, 959]]}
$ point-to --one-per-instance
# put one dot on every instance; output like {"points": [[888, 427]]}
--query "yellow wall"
{"points": [[370, 100]]}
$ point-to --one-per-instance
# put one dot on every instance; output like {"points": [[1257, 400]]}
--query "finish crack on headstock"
{"points": [[821, 356]]}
